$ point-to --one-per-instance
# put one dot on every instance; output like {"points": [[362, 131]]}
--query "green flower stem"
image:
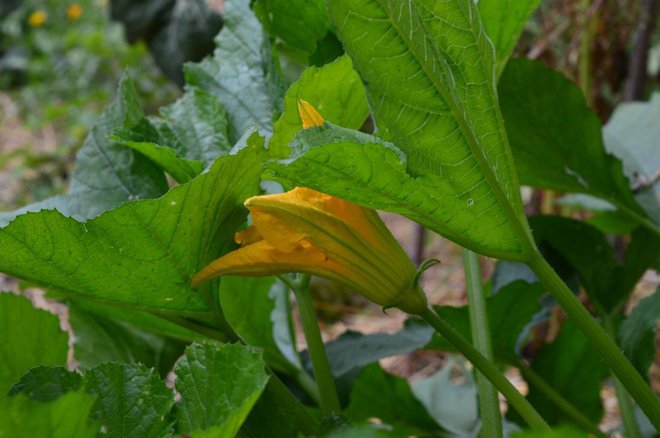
{"points": [[630, 425], [489, 404], [551, 394], [488, 369], [594, 333], [322, 372]]}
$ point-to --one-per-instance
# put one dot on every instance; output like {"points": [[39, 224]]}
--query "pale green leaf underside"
{"points": [[364, 170], [429, 71], [334, 90], [219, 385], [142, 254]]}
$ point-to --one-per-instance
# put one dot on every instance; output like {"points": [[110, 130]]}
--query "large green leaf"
{"points": [[556, 139], [637, 333], [504, 21], [632, 134], [239, 73], [334, 90], [131, 400], [251, 306], [572, 366], [106, 173], [45, 384], [28, 338], [219, 385], [298, 25], [65, 417], [376, 394], [142, 254]]}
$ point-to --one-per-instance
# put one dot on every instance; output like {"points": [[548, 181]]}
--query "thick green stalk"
{"points": [[489, 404], [595, 334], [555, 397], [488, 369], [630, 425], [322, 372]]}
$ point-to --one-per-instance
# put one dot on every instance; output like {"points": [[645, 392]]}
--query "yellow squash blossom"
{"points": [[310, 232], [73, 12], [37, 18]]}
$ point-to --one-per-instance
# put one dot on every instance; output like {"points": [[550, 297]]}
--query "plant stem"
{"points": [[489, 404], [488, 369], [630, 425], [594, 333], [322, 372], [551, 394]]}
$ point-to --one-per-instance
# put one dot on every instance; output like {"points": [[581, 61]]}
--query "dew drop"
{"points": [[470, 201]]}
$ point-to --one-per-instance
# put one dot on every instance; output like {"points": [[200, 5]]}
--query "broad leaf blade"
{"points": [[66, 417], [45, 384], [429, 72], [504, 21], [131, 400], [142, 254], [334, 90], [219, 385], [28, 338], [637, 333]]}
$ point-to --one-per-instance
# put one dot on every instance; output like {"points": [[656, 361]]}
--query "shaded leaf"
{"points": [[335, 90], [637, 333], [238, 73], [219, 385], [131, 400], [106, 173], [453, 406], [28, 338], [44, 384], [66, 417], [561, 150], [560, 432], [377, 394], [142, 254], [504, 21]]}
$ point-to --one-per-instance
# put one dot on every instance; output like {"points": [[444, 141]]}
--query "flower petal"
{"points": [[308, 114]]}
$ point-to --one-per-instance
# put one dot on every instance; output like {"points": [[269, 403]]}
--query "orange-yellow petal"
{"points": [[308, 114], [248, 236]]}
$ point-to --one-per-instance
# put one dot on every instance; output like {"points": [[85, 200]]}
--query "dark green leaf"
{"points": [[106, 173], [504, 21], [45, 384], [377, 394], [131, 400], [195, 126], [572, 366], [297, 24], [560, 432], [142, 254], [453, 406], [65, 417], [510, 312], [238, 72], [637, 333], [219, 385], [250, 305], [270, 416], [561, 150], [334, 90], [28, 338], [429, 70], [632, 135]]}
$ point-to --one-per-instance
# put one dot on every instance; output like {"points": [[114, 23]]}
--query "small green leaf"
{"points": [[219, 385], [239, 72], [142, 254], [377, 394], [453, 406], [504, 21], [572, 366], [131, 400], [561, 150], [28, 338], [334, 90], [44, 384], [66, 417], [560, 432], [637, 333]]}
